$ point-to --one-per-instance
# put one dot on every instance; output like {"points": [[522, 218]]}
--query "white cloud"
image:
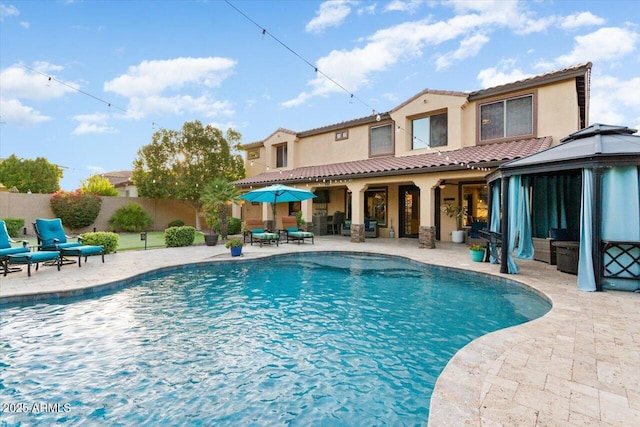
{"points": [[505, 73], [332, 13], [92, 123], [159, 86], [581, 19], [154, 77], [18, 82], [140, 107], [612, 103], [8, 11], [15, 113], [470, 46], [606, 44], [403, 6], [25, 24]]}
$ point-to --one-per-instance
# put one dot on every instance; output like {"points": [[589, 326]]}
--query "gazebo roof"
{"points": [[590, 145]]}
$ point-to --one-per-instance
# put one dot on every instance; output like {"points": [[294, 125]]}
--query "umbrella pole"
{"points": [[273, 207]]}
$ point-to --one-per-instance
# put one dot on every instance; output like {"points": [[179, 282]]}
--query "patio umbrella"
{"points": [[277, 193]]}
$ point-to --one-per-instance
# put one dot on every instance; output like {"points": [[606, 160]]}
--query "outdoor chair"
{"points": [[370, 228], [345, 229], [257, 233], [293, 233], [6, 248], [334, 222], [51, 237]]}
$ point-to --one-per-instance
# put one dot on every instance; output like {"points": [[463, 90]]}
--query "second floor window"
{"points": [[507, 118], [281, 156], [429, 131], [380, 140]]}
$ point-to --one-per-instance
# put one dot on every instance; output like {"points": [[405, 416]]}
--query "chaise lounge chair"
{"points": [[6, 248], [257, 233], [293, 233], [51, 237]]}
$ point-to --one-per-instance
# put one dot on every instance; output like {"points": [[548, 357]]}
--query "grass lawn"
{"points": [[132, 241]]}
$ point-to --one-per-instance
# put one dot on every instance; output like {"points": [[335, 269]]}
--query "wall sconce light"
{"points": [[442, 185]]}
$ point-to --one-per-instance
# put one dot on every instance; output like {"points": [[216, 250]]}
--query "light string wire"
{"points": [[51, 78]]}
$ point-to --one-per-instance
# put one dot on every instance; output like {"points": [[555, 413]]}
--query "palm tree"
{"points": [[216, 195]]}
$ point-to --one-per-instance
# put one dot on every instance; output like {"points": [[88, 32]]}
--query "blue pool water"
{"points": [[300, 339]]}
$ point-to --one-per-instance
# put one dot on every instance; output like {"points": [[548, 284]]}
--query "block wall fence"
{"points": [[32, 206]]}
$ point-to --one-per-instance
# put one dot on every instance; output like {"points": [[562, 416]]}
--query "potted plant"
{"points": [[213, 223], [235, 245], [458, 212], [477, 252], [216, 195]]}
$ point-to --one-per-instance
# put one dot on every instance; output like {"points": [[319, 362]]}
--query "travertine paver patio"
{"points": [[579, 365]]}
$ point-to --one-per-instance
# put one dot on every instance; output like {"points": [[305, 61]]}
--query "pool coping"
{"points": [[579, 364]]}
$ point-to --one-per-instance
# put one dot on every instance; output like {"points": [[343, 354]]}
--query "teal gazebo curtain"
{"points": [[525, 243], [514, 196], [621, 221], [586, 273], [555, 204]]}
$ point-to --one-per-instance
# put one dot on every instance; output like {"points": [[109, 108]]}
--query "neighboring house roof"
{"points": [[478, 156], [119, 178]]}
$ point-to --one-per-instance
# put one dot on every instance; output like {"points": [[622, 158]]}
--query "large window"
{"points": [[380, 140], [429, 131], [375, 205], [507, 118], [281, 156]]}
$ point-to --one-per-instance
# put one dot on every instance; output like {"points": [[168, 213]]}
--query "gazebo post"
{"points": [[597, 226]]}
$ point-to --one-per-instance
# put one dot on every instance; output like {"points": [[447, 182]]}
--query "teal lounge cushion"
{"points": [[257, 230], [301, 234], [84, 250], [31, 257], [292, 230], [13, 251]]}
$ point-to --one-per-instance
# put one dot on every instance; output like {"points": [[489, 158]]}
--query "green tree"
{"points": [[37, 176], [177, 163], [216, 195], [99, 186]]}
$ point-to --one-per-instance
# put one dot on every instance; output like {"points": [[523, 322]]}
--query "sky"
{"points": [[85, 84]]}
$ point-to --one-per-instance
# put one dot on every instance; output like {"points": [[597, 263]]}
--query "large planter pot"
{"points": [[210, 239], [457, 236], [477, 256], [236, 251]]}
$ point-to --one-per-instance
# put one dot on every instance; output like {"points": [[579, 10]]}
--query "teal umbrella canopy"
{"points": [[277, 193]]}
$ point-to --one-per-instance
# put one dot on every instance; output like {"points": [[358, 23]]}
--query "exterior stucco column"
{"points": [[427, 229], [357, 211]]}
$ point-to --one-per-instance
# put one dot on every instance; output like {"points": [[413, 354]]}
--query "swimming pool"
{"points": [[307, 339]]}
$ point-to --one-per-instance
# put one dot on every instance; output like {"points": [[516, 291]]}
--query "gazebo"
{"points": [[588, 188]]}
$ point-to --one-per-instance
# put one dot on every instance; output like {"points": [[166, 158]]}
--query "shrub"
{"points": [[234, 226], [14, 225], [130, 218], [176, 223], [76, 210], [102, 238], [175, 237]]}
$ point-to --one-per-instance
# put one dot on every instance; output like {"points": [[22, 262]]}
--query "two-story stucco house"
{"points": [[401, 167]]}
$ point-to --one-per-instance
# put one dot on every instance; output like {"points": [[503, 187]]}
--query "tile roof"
{"points": [[118, 178], [478, 156]]}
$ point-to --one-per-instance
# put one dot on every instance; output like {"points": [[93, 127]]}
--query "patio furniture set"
{"points": [[54, 248]]}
